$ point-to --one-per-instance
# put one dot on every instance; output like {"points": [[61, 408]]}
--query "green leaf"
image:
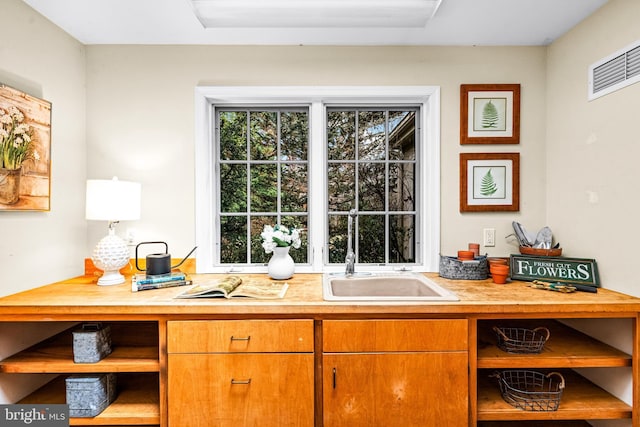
{"points": [[488, 186], [489, 116]]}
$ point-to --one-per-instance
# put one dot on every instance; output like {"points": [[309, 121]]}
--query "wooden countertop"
{"points": [[78, 297]]}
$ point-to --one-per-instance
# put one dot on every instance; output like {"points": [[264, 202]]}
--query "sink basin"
{"points": [[383, 287]]}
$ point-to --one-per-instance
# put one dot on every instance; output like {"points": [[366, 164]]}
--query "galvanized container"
{"points": [[91, 343], [89, 394]]}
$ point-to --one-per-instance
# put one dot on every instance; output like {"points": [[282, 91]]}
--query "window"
{"points": [[261, 165], [371, 164], [305, 156]]}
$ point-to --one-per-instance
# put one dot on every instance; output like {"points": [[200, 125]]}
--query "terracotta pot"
{"points": [[499, 268], [499, 273], [466, 255], [500, 279], [475, 248], [503, 261]]}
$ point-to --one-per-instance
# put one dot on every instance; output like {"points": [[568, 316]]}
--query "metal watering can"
{"points": [[159, 263]]}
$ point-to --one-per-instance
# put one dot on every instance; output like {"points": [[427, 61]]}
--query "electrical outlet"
{"points": [[131, 236], [489, 236]]}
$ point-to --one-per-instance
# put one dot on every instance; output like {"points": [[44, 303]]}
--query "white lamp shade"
{"points": [[113, 200]]}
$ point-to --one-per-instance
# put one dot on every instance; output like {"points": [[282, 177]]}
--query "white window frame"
{"points": [[317, 98]]}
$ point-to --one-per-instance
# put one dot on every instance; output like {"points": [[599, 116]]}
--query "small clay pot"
{"points": [[499, 273], [499, 268], [495, 260], [466, 255], [500, 279], [475, 248]]}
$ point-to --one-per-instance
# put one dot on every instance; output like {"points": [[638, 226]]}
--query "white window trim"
{"points": [[317, 97]]}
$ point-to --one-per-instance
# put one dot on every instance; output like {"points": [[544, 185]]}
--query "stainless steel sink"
{"points": [[383, 287]]}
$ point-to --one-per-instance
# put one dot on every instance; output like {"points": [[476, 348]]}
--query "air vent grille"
{"points": [[615, 71]]}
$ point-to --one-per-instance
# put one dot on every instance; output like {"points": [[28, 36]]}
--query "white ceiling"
{"points": [[457, 22]]}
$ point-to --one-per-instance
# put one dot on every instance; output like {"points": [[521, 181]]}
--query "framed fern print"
{"points": [[489, 182], [490, 114]]}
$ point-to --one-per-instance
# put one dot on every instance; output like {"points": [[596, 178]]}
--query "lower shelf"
{"points": [[581, 400], [137, 402]]}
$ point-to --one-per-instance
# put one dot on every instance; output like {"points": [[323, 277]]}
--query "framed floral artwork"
{"points": [[490, 114], [489, 182], [25, 151]]}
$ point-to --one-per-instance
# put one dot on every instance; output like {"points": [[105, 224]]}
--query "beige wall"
{"points": [[140, 119], [593, 148], [38, 58]]}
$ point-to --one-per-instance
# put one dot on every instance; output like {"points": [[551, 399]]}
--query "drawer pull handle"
{"points": [[247, 338], [234, 381], [334, 378]]}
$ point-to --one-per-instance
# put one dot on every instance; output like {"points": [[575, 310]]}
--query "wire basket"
{"points": [[531, 390], [520, 340]]}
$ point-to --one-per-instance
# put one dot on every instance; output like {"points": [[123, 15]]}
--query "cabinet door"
{"points": [[395, 389], [240, 390]]}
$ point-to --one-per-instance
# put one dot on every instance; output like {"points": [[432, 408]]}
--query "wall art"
{"points": [[489, 182], [25, 151], [490, 114]]}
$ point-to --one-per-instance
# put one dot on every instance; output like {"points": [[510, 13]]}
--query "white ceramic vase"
{"points": [[281, 265]]}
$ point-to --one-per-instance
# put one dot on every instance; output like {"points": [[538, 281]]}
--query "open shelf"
{"points": [[135, 349], [566, 348], [137, 401], [581, 400]]}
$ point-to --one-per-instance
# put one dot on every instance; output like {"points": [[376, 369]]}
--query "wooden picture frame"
{"points": [[489, 182], [489, 114], [25, 184]]}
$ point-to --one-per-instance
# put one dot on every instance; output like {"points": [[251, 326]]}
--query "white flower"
{"points": [[15, 139], [279, 236]]}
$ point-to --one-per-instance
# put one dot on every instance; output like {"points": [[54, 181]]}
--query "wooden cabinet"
{"points": [[240, 373], [395, 373], [135, 359], [565, 351]]}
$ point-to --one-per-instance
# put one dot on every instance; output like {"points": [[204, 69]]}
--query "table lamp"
{"points": [[113, 201]]}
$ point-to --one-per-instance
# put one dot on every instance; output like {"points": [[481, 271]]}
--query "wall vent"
{"points": [[614, 72]]}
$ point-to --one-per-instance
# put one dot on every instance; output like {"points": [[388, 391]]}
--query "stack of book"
{"points": [[143, 282]]}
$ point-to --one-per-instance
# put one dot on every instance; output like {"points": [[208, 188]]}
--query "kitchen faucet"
{"points": [[350, 259]]}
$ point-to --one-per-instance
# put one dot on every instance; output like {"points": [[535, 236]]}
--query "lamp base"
{"points": [[110, 255], [111, 278]]}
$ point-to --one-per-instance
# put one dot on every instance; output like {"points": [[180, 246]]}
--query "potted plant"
{"points": [[279, 240]]}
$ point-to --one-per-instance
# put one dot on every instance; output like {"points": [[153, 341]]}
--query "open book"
{"points": [[234, 286]]}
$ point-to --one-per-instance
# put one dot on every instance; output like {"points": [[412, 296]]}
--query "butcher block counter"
{"points": [[303, 361], [81, 295]]}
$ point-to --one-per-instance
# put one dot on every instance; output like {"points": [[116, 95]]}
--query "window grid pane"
{"points": [[375, 176], [262, 176]]}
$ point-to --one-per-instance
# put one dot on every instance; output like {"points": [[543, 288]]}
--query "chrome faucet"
{"points": [[350, 259]]}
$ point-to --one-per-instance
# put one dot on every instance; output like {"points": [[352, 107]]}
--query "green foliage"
{"points": [[361, 146], [259, 150], [263, 180], [489, 116], [488, 186]]}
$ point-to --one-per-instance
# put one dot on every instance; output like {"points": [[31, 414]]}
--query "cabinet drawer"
{"points": [[394, 335], [240, 336], [231, 390]]}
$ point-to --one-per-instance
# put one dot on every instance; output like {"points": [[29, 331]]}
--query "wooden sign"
{"points": [[550, 269]]}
